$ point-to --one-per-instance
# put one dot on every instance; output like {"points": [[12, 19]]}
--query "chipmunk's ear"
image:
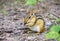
{"points": [[32, 14]]}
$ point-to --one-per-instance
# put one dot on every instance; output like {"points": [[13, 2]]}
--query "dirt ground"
{"points": [[11, 19]]}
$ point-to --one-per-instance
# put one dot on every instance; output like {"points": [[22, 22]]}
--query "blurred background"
{"points": [[12, 13]]}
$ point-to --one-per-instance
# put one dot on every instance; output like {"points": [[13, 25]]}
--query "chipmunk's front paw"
{"points": [[38, 33]]}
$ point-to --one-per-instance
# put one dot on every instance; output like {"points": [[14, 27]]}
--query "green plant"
{"points": [[58, 38], [32, 2], [52, 35], [54, 32], [55, 28], [58, 20]]}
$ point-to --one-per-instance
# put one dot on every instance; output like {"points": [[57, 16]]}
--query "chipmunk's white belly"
{"points": [[35, 28]]}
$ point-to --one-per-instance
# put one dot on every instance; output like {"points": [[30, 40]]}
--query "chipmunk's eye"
{"points": [[29, 17]]}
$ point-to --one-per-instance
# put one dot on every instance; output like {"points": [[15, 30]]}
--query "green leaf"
{"points": [[58, 39], [31, 2], [55, 28], [58, 20], [51, 35]]}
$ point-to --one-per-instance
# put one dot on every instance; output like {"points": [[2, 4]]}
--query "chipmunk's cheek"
{"points": [[36, 28]]}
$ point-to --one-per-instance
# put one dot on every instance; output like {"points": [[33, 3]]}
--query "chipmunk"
{"points": [[34, 23]]}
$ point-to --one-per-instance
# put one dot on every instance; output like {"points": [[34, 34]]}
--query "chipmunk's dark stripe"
{"points": [[38, 19], [35, 22]]}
